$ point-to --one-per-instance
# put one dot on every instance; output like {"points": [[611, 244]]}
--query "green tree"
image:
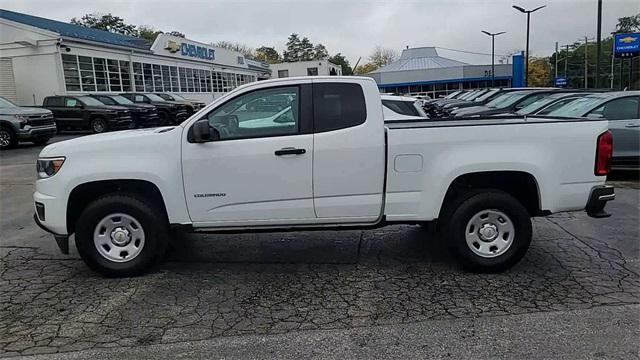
{"points": [[382, 56], [147, 32], [628, 24], [365, 68], [293, 51], [245, 50], [306, 50], [107, 22], [176, 34], [268, 54], [341, 60], [320, 52]]}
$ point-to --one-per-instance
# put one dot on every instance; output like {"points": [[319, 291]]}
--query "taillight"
{"points": [[604, 152]]}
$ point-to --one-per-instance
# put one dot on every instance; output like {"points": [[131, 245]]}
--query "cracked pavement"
{"points": [[214, 286]]}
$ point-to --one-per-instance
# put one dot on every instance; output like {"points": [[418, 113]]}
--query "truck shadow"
{"points": [[402, 243]]}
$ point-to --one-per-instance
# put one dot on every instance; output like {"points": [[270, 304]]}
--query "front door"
{"points": [[260, 170]]}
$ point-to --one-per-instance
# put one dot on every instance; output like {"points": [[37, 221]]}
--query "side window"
{"points": [[106, 100], [313, 71], [337, 106], [54, 101], [139, 99], [283, 73], [269, 112], [70, 102], [401, 107], [619, 109]]}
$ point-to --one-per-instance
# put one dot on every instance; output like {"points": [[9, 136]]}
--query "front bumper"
{"points": [[598, 200], [61, 240], [34, 133], [121, 123]]}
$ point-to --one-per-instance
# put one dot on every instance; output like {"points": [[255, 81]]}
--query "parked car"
{"points": [[336, 165], [452, 107], [506, 103], [84, 112], [143, 115], [397, 108], [548, 104], [170, 112], [22, 124], [192, 105], [622, 109]]}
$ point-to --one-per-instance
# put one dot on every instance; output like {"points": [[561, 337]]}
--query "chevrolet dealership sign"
{"points": [[192, 50], [627, 45]]}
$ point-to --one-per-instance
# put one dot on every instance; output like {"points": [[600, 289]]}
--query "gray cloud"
{"points": [[355, 27]]}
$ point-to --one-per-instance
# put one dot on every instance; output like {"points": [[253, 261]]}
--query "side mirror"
{"points": [[595, 116], [203, 132]]}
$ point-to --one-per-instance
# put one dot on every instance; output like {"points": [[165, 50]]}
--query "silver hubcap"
{"points": [[119, 237], [490, 233], [5, 138], [98, 126]]}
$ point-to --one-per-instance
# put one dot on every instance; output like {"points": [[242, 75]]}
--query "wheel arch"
{"points": [[83, 194]]}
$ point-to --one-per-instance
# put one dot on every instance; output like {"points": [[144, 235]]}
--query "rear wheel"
{"points": [[7, 138], [490, 230], [121, 235], [98, 125]]}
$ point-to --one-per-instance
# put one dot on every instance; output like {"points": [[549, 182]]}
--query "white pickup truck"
{"points": [[329, 163]]}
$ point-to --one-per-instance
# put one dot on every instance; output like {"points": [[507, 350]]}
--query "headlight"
{"points": [[47, 167], [23, 119]]}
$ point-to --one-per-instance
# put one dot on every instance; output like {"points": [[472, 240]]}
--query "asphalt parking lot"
{"points": [[393, 291]]}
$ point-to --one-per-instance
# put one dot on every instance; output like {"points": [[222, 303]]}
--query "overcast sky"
{"points": [[355, 27]]}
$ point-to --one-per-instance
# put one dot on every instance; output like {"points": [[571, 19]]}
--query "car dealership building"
{"points": [[422, 71], [41, 57]]}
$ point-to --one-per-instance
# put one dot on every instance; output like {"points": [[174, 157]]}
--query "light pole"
{"points": [[493, 52], [526, 60]]}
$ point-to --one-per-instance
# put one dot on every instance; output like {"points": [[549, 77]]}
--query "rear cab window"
{"points": [[54, 101], [337, 106]]}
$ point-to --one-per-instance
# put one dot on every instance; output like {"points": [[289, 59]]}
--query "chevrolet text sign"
{"points": [[627, 45], [186, 49]]}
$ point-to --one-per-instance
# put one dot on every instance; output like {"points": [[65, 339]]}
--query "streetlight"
{"points": [[526, 64], [493, 51]]}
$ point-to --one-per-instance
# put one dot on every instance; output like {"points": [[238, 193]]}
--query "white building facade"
{"points": [[305, 68], [41, 57]]}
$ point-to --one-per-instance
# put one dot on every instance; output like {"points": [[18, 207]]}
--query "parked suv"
{"points": [[144, 115], [192, 105], [170, 112], [24, 124], [85, 112]]}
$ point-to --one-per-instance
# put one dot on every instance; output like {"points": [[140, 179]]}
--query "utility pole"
{"points": [[556, 67], [566, 63], [612, 58], [586, 78], [599, 46]]}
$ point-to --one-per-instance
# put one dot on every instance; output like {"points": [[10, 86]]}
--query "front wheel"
{"points": [[121, 235], [7, 139], [490, 231], [98, 125]]}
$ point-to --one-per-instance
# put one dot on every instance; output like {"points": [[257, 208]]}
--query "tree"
{"points": [[382, 56], [628, 24], [106, 22], [268, 54], [539, 72], [147, 32], [306, 50], [245, 50], [176, 34], [320, 52], [293, 51], [366, 68], [341, 60]]}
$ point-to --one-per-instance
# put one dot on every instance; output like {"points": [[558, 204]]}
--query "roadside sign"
{"points": [[626, 45], [561, 81]]}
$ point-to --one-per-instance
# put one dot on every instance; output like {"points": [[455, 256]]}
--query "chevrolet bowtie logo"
{"points": [[628, 39], [172, 46]]}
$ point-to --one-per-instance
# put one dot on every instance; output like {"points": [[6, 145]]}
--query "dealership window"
{"points": [[100, 70], [190, 86], [173, 71], [183, 79], [87, 79], [148, 78], [113, 70], [283, 73], [138, 76], [166, 78], [71, 73], [312, 71], [157, 78]]}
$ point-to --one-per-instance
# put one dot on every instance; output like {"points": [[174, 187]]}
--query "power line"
{"points": [[469, 52]]}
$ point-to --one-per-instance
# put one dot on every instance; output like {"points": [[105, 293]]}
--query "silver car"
{"points": [[622, 109]]}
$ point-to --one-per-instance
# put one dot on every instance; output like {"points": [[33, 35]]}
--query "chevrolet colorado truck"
{"points": [[329, 163]]}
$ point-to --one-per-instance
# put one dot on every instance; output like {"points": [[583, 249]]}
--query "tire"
{"points": [[98, 125], [8, 138], [41, 142], [490, 230], [113, 254]]}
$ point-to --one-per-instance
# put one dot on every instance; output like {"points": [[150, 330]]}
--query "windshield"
{"points": [[487, 95], [539, 104], [154, 97], [4, 103], [178, 97], [577, 107], [500, 98], [90, 101], [121, 100], [402, 107], [453, 94]]}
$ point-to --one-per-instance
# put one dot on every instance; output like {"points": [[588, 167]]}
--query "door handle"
{"points": [[632, 125], [290, 151]]}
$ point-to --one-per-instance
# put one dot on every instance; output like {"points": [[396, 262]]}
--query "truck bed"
{"points": [[483, 121]]}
